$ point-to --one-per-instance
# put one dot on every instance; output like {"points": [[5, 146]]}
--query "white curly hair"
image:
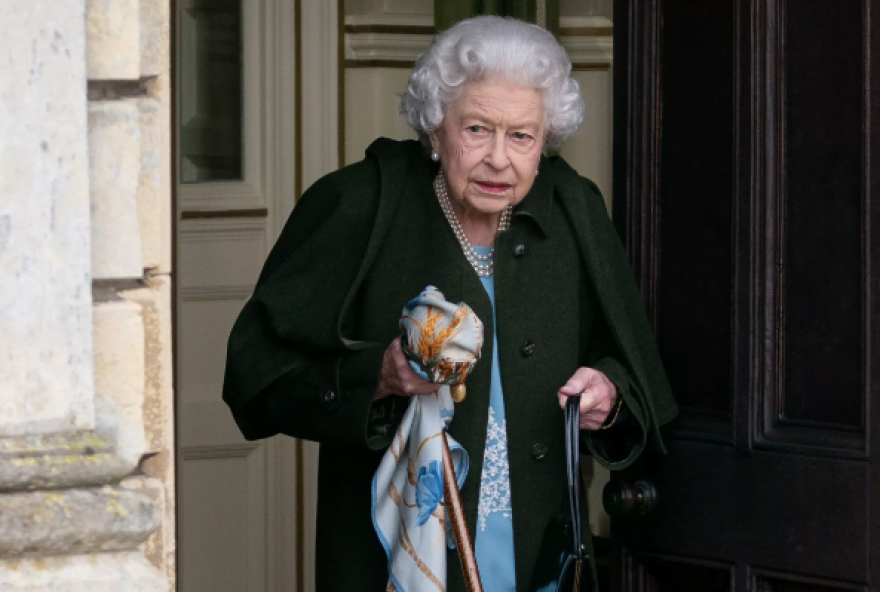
{"points": [[476, 48]]}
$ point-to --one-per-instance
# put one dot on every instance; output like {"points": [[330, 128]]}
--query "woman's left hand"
{"points": [[598, 396]]}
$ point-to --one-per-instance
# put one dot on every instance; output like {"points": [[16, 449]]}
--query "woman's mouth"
{"points": [[490, 187]]}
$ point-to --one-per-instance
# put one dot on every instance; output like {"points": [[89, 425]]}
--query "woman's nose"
{"points": [[497, 157]]}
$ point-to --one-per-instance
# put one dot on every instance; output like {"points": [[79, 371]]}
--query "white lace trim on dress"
{"points": [[495, 480]]}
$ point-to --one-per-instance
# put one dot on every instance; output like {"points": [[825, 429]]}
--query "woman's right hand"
{"points": [[398, 378]]}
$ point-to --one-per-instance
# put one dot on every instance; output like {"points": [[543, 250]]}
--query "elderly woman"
{"points": [[475, 209]]}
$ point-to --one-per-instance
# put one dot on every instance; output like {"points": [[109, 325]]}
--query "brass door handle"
{"points": [[621, 499]]}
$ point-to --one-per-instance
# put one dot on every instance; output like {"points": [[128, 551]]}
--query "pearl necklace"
{"points": [[484, 265]]}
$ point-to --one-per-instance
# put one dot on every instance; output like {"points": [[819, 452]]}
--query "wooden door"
{"points": [[254, 77], [236, 501], [746, 187]]}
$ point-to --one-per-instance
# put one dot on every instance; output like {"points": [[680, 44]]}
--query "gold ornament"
{"points": [[458, 393]]}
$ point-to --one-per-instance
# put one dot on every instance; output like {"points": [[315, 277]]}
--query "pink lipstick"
{"points": [[490, 187]]}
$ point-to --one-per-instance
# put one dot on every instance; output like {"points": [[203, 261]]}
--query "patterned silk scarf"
{"points": [[442, 342]]}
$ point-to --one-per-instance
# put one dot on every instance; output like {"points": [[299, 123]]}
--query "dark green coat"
{"points": [[305, 354]]}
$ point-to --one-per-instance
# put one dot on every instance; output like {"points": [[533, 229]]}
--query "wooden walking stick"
{"points": [[456, 516]]}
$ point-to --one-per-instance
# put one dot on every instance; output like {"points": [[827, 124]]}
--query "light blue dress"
{"points": [[494, 537], [493, 542]]}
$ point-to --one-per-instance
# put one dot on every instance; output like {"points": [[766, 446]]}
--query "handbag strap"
{"points": [[573, 469]]}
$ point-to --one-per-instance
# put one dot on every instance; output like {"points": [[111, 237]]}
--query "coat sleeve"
{"points": [[287, 370], [625, 349], [620, 444]]}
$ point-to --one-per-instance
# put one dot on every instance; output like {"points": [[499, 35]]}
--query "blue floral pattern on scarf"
{"points": [[429, 490]]}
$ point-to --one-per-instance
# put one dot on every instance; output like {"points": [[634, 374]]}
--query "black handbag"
{"points": [[573, 577]]}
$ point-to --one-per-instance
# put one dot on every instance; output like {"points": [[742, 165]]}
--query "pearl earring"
{"points": [[435, 156]]}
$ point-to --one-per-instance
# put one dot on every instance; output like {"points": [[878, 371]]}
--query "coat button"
{"points": [[539, 451], [328, 396], [519, 250], [528, 348]]}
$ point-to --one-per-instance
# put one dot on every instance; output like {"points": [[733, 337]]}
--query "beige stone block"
{"points": [[114, 174], [45, 297], [159, 411], [58, 461], [84, 520], [113, 39], [98, 572], [156, 547], [154, 185], [155, 33], [154, 302], [119, 376]]}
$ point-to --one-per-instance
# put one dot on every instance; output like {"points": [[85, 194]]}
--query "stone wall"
{"points": [[86, 425]]}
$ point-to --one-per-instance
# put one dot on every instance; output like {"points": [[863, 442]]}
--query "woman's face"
{"points": [[490, 143]]}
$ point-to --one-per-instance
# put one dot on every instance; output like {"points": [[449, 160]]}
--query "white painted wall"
{"points": [[589, 150], [371, 108]]}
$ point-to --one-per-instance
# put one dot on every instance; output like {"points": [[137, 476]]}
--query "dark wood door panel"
{"points": [[655, 572], [823, 226], [812, 252], [763, 509], [766, 582], [659, 572], [746, 189], [693, 242]]}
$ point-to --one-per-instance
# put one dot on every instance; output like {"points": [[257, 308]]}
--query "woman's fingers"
{"points": [[598, 396], [594, 408], [398, 377], [410, 382], [578, 382], [413, 384]]}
